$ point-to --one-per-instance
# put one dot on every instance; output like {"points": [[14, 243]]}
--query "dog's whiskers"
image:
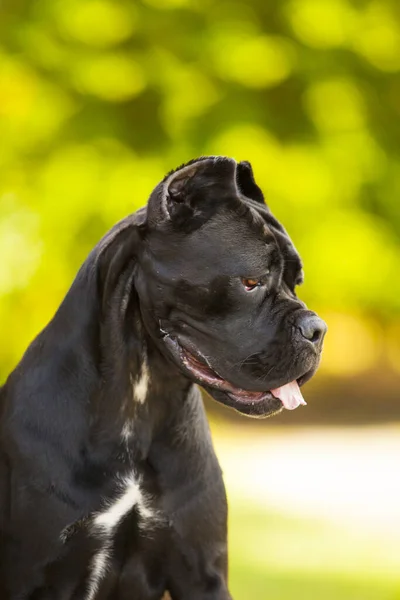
{"points": [[240, 364]]}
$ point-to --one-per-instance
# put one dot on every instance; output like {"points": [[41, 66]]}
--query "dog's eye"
{"points": [[251, 284]]}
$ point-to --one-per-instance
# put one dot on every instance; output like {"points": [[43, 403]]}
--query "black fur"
{"points": [[164, 277]]}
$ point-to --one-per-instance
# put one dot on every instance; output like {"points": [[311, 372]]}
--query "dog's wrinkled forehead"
{"points": [[217, 196], [290, 258]]}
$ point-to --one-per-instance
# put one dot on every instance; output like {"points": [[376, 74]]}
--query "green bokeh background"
{"points": [[99, 98]]}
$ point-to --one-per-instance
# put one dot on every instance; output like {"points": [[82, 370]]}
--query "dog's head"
{"points": [[216, 279]]}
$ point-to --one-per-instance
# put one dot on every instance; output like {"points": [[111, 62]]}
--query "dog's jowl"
{"points": [[109, 485]]}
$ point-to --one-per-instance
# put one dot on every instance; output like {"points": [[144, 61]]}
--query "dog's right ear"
{"points": [[247, 184]]}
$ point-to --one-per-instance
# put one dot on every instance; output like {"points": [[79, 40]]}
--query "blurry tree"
{"points": [[99, 98]]}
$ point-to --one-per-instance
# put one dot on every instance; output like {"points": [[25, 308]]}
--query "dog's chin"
{"points": [[253, 404], [263, 407]]}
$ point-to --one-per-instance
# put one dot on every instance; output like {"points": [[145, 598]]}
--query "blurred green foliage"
{"points": [[99, 98]]}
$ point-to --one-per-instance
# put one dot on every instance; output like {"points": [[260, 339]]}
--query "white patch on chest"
{"points": [[99, 569], [141, 386], [105, 524], [127, 431]]}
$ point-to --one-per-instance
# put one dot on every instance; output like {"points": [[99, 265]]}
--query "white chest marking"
{"points": [[127, 431], [141, 387], [105, 524]]}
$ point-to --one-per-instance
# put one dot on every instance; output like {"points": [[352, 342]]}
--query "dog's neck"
{"points": [[141, 390], [114, 396]]}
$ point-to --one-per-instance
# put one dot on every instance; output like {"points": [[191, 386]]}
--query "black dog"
{"points": [[109, 485]]}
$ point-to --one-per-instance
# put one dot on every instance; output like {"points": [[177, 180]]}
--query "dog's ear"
{"points": [[198, 183], [247, 184], [190, 193]]}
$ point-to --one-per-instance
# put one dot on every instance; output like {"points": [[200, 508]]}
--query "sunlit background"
{"points": [[99, 98]]}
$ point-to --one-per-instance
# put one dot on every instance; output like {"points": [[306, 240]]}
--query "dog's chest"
{"points": [[117, 530]]}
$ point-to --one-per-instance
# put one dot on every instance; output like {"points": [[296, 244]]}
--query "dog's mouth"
{"points": [[289, 394]]}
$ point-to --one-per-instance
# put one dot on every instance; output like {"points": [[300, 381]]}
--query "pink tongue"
{"points": [[290, 395]]}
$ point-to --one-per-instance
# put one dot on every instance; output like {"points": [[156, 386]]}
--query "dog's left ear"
{"points": [[247, 184], [199, 183], [190, 192]]}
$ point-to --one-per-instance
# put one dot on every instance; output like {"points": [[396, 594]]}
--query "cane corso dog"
{"points": [[109, 485]]}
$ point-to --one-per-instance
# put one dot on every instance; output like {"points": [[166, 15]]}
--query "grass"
{"points": [[273, 557]]}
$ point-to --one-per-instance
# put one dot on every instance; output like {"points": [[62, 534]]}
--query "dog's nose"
{"points": [[312, 328]]}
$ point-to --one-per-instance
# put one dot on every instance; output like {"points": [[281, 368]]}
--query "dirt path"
{"points": [[351, 476]]}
